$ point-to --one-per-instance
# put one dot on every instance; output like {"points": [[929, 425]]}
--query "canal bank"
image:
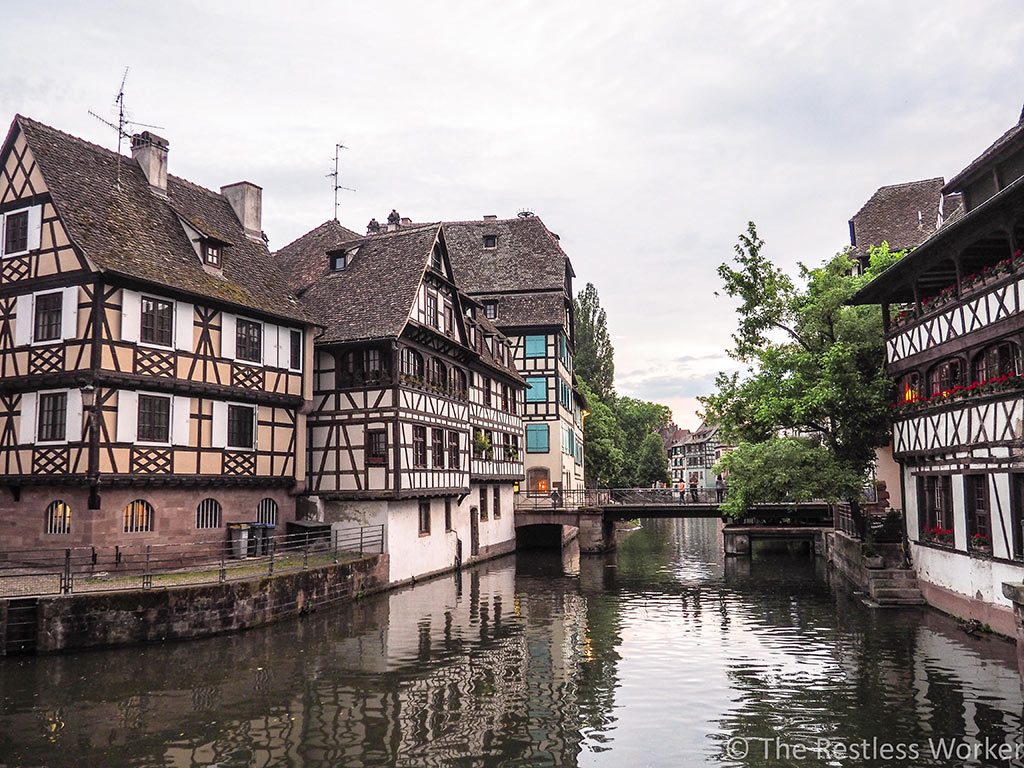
{"points": [[661, 654]]}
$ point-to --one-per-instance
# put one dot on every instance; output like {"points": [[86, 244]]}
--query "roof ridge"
{"points": [[77, 139], [304, 235]]}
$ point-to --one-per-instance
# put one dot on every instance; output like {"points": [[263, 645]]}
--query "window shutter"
{"points": [[227, 336], [219, 437], [27, 429], [270, 345], [181, 417], [127, 416], [69, 313], [131, 315], [184, 323], [35, 227], [23, 321], [73, 423]]}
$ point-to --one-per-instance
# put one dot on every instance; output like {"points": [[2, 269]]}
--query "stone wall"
{"points": [[1015, 594], [74, 622]]}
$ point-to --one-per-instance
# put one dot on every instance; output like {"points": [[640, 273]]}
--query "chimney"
{"points": [[247, 201], [405, 221], [394, 220], [150, 152], [490, 217], [373, 227]]}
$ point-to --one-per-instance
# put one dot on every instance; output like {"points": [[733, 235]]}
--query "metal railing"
{"points": [[605, 497], [881, 525], [27, 573]]}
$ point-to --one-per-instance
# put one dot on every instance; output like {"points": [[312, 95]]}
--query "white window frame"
{"points": [[174, 322], [286, 349], [128, 418], [72, 415], [170, 419], [219, 430], [234, 339], [35, 224], [25, 317]]}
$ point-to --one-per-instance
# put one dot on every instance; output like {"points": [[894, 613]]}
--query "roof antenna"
{"points": [[122, 123], [337, 177]]}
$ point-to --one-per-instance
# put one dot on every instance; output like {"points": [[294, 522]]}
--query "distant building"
{"points": [[695, 455], [953, 326]]}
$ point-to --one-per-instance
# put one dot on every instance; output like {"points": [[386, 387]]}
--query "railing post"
{"points": [[360, 540], [65, 587], [223, 564], [147, 576], [273, 551], [334, 544], [305, 552]]}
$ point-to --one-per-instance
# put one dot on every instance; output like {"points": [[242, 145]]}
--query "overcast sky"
{"points": [[645, 134]]}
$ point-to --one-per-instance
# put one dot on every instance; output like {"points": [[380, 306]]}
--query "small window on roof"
{"points": [[338, 260], [490, 241], [491, 309], [211, 253]]}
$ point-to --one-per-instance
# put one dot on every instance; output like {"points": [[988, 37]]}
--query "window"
{"points": [[53, 407], [910, 388], [157, 321], [248, 340], [537, 389], [944, 377], [48, 317], [419, 446], [490, 241], [295, 350], [211, 255], [412, 363], [537, 438], [138, 516], [935, 500], [998, 360], [424, 518], [208, 514], [437, 448], [487, 391], [58, 518], [350, 372], [338, 260], [266, 512], [490, 309], [979, 514], [536, 346], [376, 365], [154, 419], [432, 318], [16, 232], [457, 382], [497, 502], [449, 325], [437, 374], [483, 503], [435, 259], [240, 426], [453, 450], [448, 514], [376, 446]]}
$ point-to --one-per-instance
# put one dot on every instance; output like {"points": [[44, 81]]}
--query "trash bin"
{"points": [[238, 540], [259, 538]]}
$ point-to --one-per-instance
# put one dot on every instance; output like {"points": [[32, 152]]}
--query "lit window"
{"points": [[58, 518], [138, 516]]}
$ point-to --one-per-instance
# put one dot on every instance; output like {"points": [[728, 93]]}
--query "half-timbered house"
{"points": [[954, 329], [153, 365], [519, 273], [416, 422]]}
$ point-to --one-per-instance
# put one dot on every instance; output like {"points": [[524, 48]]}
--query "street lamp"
{"points": [[88, 393]]}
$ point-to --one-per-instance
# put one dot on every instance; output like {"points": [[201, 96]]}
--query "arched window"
{"points": [[944, 377], [138, 516], [910, 388], [376, 365], [1002, 359], [457, 382], [266, 512], [437, 374], [58, 518], [350, 368], [208, 514], [412, 363]]}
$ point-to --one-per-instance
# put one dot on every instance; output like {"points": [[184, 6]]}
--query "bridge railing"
{"points": [[606, 497]]}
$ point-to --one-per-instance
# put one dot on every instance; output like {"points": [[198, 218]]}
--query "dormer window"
{"points": [[338, 259], [490, 241], [435, 259], [211, 253], [490, 309]]}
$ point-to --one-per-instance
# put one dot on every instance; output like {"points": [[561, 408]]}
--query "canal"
{"points": [[662, 654]]}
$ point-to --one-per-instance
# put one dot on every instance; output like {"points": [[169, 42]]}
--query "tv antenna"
{"points": [[336, 176], [122, 123]]}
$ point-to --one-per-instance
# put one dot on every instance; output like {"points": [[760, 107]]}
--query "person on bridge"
{"points": [[693, 487], [682, 491], [720, 488]]}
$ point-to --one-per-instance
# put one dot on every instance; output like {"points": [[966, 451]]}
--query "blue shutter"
{"points": [[537, 391], [536, 438], [536, 346]]}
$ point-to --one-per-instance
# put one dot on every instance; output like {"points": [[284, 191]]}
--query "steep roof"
{"points": [[372, 297], [303, 260], [131, 232], [528, 309], [1005, 144], [903, 215], [527, 255]]}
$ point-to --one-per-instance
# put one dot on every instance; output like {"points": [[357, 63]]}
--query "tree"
{"points": [[595, 356], [651, 462], [814, 364], [639, 419], [603, 441], [784, 471]]}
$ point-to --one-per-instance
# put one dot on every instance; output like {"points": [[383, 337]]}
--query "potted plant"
{"points": [[939, 535], [872, 559], [481, 444], [981, 543]]}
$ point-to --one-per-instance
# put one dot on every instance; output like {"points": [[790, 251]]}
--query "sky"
{"points": [[646, 134]]}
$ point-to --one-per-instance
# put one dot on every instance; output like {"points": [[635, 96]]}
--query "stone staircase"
{"points": [[894, 586]]}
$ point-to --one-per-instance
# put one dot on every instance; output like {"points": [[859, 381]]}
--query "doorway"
{"points": [[474, 531]]}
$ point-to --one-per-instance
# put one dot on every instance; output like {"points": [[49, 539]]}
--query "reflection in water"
{"points": [[657, 655]]}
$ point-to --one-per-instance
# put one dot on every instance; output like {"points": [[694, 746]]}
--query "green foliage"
{"points": [[603, 441], [595, 356], [784, 470], [814, 364], [651, 462]]}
